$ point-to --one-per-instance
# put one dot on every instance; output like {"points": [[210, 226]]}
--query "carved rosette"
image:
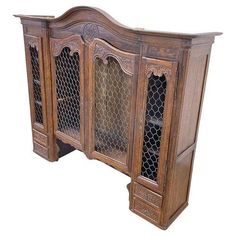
{"points": [[90, 31], [31, 41], [157, 70], [126, 64]]}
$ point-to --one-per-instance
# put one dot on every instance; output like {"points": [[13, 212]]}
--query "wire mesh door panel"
{"points": [[36, 81], [68, 89], [155, 96], [112, 105]]}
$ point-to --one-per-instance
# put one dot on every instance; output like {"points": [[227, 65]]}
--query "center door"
{"points": [[112, 86]]}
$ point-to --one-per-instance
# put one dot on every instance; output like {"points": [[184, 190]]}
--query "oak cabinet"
{"points": [[129, 98]]}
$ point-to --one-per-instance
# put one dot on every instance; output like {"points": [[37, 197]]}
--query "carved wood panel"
{"points": [[103, 51], [147, 195], [146, 210]]}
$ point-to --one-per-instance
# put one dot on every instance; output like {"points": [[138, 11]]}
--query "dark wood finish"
{"points": [[147, 195], [41, 150], [158, 68], [40, 137], [75, 44], [179, 60], [35, 42], [146, 211]]}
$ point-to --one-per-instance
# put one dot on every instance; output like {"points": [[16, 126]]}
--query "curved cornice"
{"points": [[77, 13]]}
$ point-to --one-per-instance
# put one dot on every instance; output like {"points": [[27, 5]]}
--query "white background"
{"points": [[76, 196]]}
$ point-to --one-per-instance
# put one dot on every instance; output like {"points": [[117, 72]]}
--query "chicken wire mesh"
{"points": [[36, 85], [112, 109], [68, 93], [153, 126]]}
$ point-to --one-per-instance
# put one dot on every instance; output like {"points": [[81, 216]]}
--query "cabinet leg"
{"points": [[55, 150], [63, 148]]}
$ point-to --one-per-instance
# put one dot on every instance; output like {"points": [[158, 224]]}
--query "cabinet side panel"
{"points": [[192, 98], [181, 181]]}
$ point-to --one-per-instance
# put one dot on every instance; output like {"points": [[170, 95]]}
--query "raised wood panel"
{"points": [[41, 150], [147, 195], [190, 93], [192, 96], [40, 137], [180, 183], [145, 210]]}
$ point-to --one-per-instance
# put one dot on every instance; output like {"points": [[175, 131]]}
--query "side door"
{"points": [[155, 99]]}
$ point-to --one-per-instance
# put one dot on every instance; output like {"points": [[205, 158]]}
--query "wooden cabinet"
{"points": [[129, 98]]}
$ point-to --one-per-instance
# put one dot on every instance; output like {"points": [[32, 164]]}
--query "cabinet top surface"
{"points": [[73, 13]]}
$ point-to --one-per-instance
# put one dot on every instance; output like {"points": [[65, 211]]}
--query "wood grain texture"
{"points": [[187, 115], [147, 195], [191, 100], [183, 60], [41, 150], [146, 211], [40, 137]]}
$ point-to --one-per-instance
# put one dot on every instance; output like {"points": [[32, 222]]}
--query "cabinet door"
{"points": [[68, 89], [111, 105], [154, 107], [34, 59]]}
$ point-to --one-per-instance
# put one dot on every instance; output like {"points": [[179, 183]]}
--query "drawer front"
{"points": [[40, 138], [147, 195], [150, 213], [39, 149]]}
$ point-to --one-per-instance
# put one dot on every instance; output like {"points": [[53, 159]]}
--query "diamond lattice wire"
{"points": [[112, 109], [68, 93], [153, 126], [36, 85]]}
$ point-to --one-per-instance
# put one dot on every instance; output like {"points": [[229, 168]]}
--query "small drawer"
{"points": [[147, 195], [40, 150], [40, 138], [145, 210]]}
